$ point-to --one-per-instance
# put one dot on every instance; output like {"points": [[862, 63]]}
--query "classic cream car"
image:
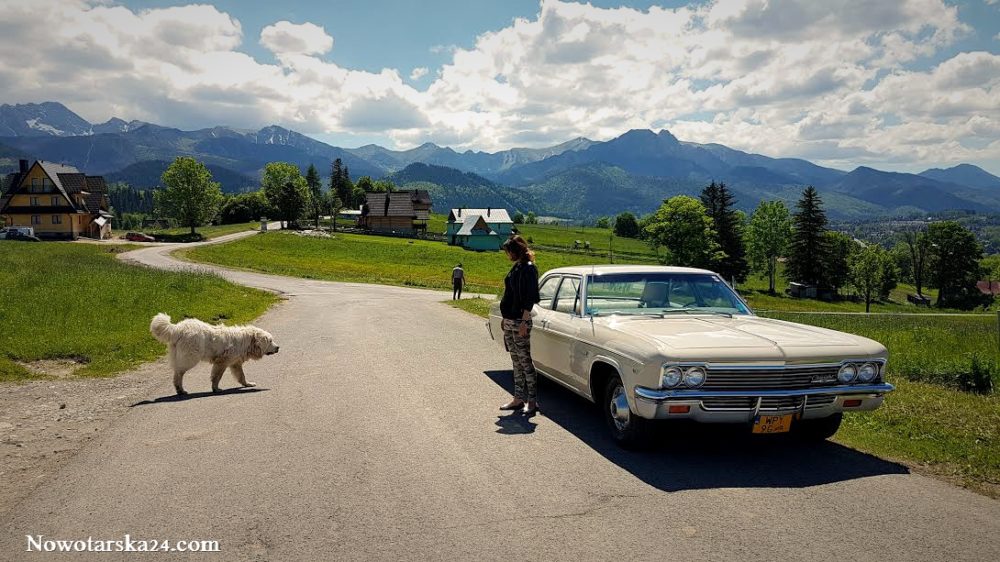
{"points": [[648, 342]]}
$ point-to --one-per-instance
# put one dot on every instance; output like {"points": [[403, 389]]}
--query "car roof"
{"points": [[610, 269]]}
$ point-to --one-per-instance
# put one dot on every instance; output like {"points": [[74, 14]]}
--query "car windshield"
{"points": [[658, 293]]}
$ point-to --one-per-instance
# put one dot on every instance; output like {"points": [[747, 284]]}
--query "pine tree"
{"points": [[728, 226], [317, 199], [340, 183], [808, 250]]}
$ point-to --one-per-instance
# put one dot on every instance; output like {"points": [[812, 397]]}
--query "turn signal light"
{"points": [[852, 403], [679, 409]]}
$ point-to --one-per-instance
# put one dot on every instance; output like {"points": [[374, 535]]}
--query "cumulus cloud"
{"points": [[287, 38], [830, 80]]}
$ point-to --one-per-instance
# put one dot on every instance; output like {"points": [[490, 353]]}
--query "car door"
{"points": [[546, 291], [561, 329]]}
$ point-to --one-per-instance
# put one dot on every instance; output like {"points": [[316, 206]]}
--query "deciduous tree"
{"points": [[768, 236], [682, 226], [868, 269], [189, 195], [626, 226], [954, 265], [919, 246], [835, 264], [286, 190]]}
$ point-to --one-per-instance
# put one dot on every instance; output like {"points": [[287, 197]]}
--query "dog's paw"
{"points": [[215, 389], [181, 392], [249, 384]]}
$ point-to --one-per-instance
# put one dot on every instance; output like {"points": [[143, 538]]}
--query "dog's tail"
{"points": [[161, 328]]}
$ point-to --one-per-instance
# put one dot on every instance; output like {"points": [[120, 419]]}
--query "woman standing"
{"points": [[519, 296]]}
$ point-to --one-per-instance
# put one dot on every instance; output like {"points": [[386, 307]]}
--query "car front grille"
{"points": [[779, 378], [769, 403]]}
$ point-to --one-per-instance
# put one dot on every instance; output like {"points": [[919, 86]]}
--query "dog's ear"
{"points": [[256, 346]]}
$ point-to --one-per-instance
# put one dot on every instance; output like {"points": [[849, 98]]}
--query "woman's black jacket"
{"points": [[520, 290]]}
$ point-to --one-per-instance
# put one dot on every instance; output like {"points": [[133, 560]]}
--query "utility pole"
{"points": [[611, 246]]}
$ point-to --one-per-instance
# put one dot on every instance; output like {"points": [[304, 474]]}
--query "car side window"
{"points": [[547, 290], [568, 296]]}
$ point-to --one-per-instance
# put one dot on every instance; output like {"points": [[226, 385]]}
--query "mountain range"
{"points": [[577, 179]]}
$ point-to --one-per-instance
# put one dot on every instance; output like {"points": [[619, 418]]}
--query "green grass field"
{"points": [[955, 351], [203, 232], [372, 259], [76, 301], [562, 237]]}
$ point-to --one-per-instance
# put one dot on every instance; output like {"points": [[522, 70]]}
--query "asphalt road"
{"points": [[375, 434]]}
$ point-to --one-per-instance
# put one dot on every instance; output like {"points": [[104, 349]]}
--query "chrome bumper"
{"points": [[655, 403]]}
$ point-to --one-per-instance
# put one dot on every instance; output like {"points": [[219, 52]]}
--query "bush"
{"points": [[979, 377], [246, 207]]}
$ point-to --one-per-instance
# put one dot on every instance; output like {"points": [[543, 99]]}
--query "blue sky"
{"points": [[896, 84]]}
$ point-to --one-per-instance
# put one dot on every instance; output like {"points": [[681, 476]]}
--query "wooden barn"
{"points": [[396, 212]]}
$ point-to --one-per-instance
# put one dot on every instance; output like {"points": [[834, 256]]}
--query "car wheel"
{"points": [[627, 429], [821, 429]]}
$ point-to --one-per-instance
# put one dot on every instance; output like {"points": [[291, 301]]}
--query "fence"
{"points": [[956, 350]]}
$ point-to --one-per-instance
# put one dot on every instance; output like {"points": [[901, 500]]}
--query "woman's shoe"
{"points": [[513, 405], [531, 408]]}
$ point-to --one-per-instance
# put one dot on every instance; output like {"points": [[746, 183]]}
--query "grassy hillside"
{"points": [[371, 259], [77, 302]]}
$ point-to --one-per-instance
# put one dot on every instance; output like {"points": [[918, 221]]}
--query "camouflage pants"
{"points": [[525, 379]]}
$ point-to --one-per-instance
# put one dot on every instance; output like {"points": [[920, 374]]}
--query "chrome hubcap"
{"points": [[620, 413]]}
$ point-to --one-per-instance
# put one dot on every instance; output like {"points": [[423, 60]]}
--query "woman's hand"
{"points": [[522, 330]]}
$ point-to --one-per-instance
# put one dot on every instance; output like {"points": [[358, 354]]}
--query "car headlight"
{"points": [[695, 376], [867, 372], [672, 376], [847, 373]]}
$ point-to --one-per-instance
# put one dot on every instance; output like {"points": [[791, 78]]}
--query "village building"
{"points": [[398, 212], [57, 202], [478, 229]]}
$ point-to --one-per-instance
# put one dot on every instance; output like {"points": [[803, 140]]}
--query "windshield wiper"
{"points": [[692, 311]]}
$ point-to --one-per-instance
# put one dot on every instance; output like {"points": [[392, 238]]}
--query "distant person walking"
{"points": [[520, 295], [457, 282]]}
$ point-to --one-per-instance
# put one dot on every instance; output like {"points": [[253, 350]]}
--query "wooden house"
{"points": [[399, 212], [479, 229], [57, 201]]}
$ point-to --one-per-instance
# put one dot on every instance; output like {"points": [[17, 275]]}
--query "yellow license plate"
{"points": [[773, 424]]}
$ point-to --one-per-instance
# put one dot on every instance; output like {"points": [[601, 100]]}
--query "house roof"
{"points": [[475, 224], [399, 204], [492, 215], [67, 181]]}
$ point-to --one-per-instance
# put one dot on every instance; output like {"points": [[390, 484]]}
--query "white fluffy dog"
{"points": [[192, 341]]}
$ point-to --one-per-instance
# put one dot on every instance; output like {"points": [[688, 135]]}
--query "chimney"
{"points": [[23, 166], [459, 211], [487, 211]]}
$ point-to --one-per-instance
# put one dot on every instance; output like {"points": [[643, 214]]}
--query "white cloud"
{"points": [[782, 77], [287, 38]]}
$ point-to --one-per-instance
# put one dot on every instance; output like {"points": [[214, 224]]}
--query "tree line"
{"points": [[190, 198], [708, 232]]}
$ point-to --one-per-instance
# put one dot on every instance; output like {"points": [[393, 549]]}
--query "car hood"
{"points": [[743, 337]]}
